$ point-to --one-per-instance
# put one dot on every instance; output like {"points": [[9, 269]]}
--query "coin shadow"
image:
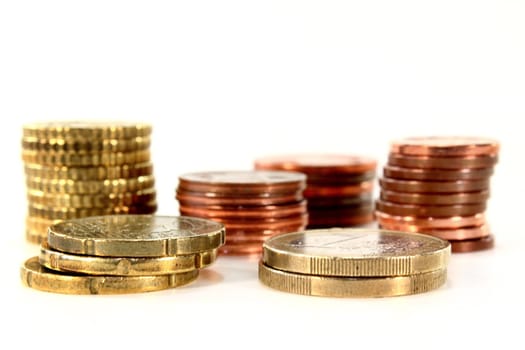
{"points": [[207, 277]]}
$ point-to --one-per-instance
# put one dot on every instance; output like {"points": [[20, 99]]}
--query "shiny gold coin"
{"points": [[92, 200], [36, 237], [136, 235], [39, 224], [84, 146], [66, 213], [356, 252], [126, 171], [38, 277], [95, 159], [364, 287], [124, 266], [90, 187], [86, 129]]}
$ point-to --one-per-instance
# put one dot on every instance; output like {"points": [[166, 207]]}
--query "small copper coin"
{"points": [[452, 222], [320, 164], [246, 213], [414, 186], [341, 211], [448, 234], [400, 173], [338, 191], [340, 179], [445, 146], [435, 199], [423, 162], [208, 198], [472, 245], [320, 202], [248, 232], [322, 222], [430, 210], [257, 224], [242, 249]]}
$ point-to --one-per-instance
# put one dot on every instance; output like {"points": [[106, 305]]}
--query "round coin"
{"points": [[442, 162], [84, 146], [448, 234], [324, 221], [126, 171], [473, 245], [435, 199], [395, 172], [66, 213], [452, 222], [95, 159], [91, 187], [315, 191], [414, 186], [86, 129], [246, 213], [136, 235], [445, 146], [209, 198], [429, 210]]}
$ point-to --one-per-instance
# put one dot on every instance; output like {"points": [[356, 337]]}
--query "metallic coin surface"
{"points": [[473, 245], [259, 224], [453, 222], [323, 221], [356, 253], [364, 287], [241, 249], [360, 199], [66, 213], [86, 129], [88, 173], [318, 163], [246, 213], [38, 277], [136, 235], [448, 234], [395, 172], [209, 198], [91, 187], [430, 210], [422, 162], [245, 178], [414, 186], [445, 146], [316, 191], [95, 159], [435, 199], [84, 146]]}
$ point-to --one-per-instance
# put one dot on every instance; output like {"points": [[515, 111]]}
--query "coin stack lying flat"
{"points": [[76, 169], [118, 254], [339, 187], [439, 186], [345, 262], [253, 205]]}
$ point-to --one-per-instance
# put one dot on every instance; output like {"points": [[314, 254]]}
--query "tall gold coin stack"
{"points": [[80, 169], [116, 254], [345, 262]]}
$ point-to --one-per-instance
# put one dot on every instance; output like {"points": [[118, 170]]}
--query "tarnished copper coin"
{"points": [[445, 146], [414, 186], [448, 234], [246, 213], [472, 245], [453, 222], [422, 162], [314, 191], [395, 172], [435, 199], [209, 198]]}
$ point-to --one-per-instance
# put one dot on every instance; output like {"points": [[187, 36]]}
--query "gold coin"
{"points": [[136, 235], [95, 159], [38, 277], [84, 146], [36, 237], [38, 224], [92, 200], [124, 266], [86, 129], [90, 187], [364, 287], [356, 252], [66, 213], [126, 171]]}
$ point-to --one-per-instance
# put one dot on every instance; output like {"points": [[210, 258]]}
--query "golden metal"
{"points": [[136, 235], [95, 159], [66, 213], [124, 266], [38, 277], [91, 187], [363, 287], [84, 146], [36, 237], [356, 252], [126, 171], [86, 129]]}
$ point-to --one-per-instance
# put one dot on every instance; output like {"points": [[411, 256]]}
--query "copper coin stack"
{"points": [[339, 187], [252, 205], [439, 186], [79, 169]]}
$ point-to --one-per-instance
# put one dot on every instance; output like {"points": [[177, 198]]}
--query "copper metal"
{"points": [[255, 224], [320, 202], [206, 199], [322, 222], [415, 186], [449, 234], [338, 191], [472, 245], [435, 199], [430, 210], [242, 249], [442, 162], [395, 172], [453, 222], [445, 146], [247, 213]]}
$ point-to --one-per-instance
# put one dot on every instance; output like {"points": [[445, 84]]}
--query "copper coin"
{"points": [[338, 191], [442, 162], [240, 239], [319, 202], [415, 186], [228, 249], [445, 146], [254, 212], [395, 172], [342, 179], [205, 199], [430, 210], [320, 164], [472, 245], [322, 222], [448, 234], [349, 210], [452, 222], [257, 224], [435, 199], [247, 232]]}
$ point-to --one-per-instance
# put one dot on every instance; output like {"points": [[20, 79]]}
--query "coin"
{"points": [[209, 198], [38, 277], [88, 173], [435, 199], [323, 221], [66, 213], [445, 146], [356, 253], [430, 210], [36, 237], [449, 234], [340, 179], [415, 186], [314, 191], [366, 287], [241, 249], [84, 146], [95, 159], [473, 245], [247, 213], [442, 162], [258, 224], [453, 222], [400, 173], [86, 129], [124, 266], [320, 202], [91, 187], [136, 235]]}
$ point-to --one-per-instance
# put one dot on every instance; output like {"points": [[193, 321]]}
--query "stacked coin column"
{"points": [[339, 187], [75, 170], [253, 205], [439, 186]]}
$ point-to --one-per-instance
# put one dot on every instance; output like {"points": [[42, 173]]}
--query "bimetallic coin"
{"points": [[84, 146], [86, 129], [435, 199], [473, 245], [400, 173], [136, 235], [38, 277], [126, 171], [414, 186], [364, 287], [445, 146], [430, 210], [356, 253], [453, 222], [91, 187], [422, 162], [95, 159]]}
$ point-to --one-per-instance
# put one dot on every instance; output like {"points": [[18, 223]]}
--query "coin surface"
{"points": [[365, 287], [415, 186], [470, 162], [318, 163], [209, 198], [94, 159], [38, 277], [316, 191], [395, 172], [435, 199], [323, 221], [66, 213], [91, 187], [58, 172], [136, 235], [246, 213], [447, 146], [473, 245], [430, 210], [84, 146], [86, 129], [356, 253], [449, 234]]}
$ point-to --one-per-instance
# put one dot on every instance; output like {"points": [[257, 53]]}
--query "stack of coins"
{"points": [[118, 254], [339, 187], [77, 169], [253, 205], [346, 262], [439, 186]]}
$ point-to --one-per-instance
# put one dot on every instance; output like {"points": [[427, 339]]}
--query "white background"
{"points": [[223, 82]]}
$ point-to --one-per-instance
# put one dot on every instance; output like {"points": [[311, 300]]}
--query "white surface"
{"points": [[226, 81]]}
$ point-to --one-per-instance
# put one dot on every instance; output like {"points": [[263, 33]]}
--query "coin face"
{"points": [[244, 177], [446, 146]]}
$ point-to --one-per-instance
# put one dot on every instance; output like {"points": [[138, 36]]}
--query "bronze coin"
{"points": [[448, 234], [422, 162], [247, 232], [246, 213], [414, 186], [320, 202], [188, 198], [338, 191], [395, 172], [435, 199], [453, 222], [337, 179], [323, 222], [347, 210], [256, 224], [430, 210], [472, 245], [445, 146]]}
